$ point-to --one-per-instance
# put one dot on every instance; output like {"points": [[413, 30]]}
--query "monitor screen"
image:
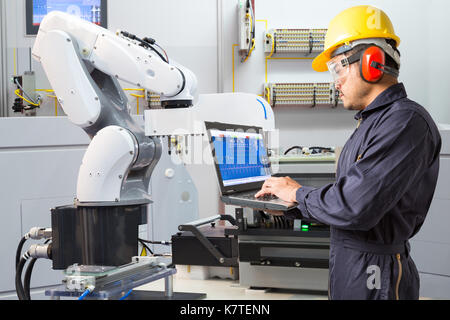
{"points": [[241, 157], [90, 10]]}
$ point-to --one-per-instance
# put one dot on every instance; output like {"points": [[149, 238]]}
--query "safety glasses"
{"points": [[339, 66]]}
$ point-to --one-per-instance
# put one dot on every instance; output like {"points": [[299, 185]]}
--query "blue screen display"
{"points": [[86, 9], [241, 157]]}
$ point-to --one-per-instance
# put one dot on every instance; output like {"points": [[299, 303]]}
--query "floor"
{"points": [[223, 289]]}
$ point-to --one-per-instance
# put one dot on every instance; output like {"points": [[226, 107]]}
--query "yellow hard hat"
{"points": [[360, 22]]}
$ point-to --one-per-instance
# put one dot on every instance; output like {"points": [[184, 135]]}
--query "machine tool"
{"points": [[96, 235]]}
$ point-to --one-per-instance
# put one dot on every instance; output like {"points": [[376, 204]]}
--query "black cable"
{"points": [[283, 220], [292, 148], [146, 43], [19, 250], [19, 285], [164, 243], [145, 246], [27, 279], [277, 222], [165, 53]]}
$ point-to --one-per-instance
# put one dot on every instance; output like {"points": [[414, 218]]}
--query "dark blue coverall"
{"points": [[385, 181]]}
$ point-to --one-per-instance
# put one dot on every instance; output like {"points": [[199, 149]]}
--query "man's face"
{"points": [[352, 88]]}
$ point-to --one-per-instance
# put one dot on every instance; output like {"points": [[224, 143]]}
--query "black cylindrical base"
{"points": [[100, 236]]}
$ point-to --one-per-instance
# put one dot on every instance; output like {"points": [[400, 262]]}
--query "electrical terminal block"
{"points": [[301, 94]]}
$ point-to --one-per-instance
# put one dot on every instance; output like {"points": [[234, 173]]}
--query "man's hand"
{"points": [[284, 188]]}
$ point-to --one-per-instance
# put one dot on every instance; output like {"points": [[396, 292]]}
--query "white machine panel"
{"points": [[103, 169], [67, 77], [85, 32], [235, 108], [130, 61]]}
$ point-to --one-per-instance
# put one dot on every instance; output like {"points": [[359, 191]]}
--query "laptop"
{"points": [[242, 165]]}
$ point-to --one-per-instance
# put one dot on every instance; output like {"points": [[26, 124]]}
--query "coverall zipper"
{"points": [[399, 276]]}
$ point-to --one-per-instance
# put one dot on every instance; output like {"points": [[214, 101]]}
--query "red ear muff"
{"points": [[371, 59]]}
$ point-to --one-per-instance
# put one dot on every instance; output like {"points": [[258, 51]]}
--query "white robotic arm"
{"points": [[83, 63], [64, 39]]}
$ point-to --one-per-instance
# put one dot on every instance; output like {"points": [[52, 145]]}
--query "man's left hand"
{"points": [[284, 188]]}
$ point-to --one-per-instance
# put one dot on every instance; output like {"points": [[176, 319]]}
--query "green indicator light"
{"points": [[305, 226]]}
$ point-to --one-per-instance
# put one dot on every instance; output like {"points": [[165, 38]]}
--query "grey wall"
{"points": [[187, 30], [421, 25], [39, 161]]}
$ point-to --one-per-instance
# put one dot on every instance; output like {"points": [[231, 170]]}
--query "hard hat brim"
{"points": [[319, 64]]}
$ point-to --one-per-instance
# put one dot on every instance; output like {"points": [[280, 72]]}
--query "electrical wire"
{"points": [[165, 243], [27, 279], [126, 295], [268, 94], [146, 43], [25, 93], [250, 17], [146, 247], [25, 99], [85, 293], [269, 35], [292, 148], [18, 280], [165, 53], [250, 52], [19, 250]]}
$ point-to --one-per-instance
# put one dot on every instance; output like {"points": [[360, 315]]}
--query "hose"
{"points": [[27, 279], [126, 295], [87, 292], [19, 286], [19, 250]]}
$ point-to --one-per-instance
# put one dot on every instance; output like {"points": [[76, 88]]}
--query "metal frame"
{"points": [[192, 227], [3, 62]]}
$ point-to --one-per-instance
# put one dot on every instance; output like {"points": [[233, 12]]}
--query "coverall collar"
{"points": [[387, 97]]}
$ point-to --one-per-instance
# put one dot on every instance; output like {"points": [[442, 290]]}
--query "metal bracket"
{"points": [[192, 227]]}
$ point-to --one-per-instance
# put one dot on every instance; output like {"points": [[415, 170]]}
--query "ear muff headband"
{"points": [[372, 64]]}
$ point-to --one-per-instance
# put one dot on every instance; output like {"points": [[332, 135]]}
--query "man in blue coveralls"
{"points": [[387, 171]]}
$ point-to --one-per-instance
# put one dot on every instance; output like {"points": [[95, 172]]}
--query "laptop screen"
{"points": [[241, 157]]}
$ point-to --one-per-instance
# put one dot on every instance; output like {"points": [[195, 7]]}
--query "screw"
{"points": [[221, 260], [120, 176]]}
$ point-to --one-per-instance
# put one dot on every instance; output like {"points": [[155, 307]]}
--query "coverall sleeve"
{"points": [[398, 150]]}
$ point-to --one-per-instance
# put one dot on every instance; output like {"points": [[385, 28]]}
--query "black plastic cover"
{"points": [[101, 236]]}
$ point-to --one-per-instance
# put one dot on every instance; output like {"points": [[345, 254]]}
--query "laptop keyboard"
{"points": [[251, 196]]}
